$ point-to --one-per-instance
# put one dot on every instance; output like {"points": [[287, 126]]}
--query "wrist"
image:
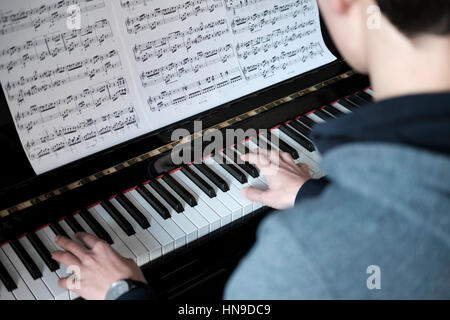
{"points": [[123, 286]]}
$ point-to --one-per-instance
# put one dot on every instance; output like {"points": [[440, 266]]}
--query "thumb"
{"points": [[254, 194]]}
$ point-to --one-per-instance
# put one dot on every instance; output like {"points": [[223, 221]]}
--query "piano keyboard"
{"points": [[164, 214]]}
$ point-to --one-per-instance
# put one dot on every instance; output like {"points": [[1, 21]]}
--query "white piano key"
{"points": [[315, 118], [22, 292], [235, 186], [180, 220], [252, 182], [370, 91], [156, 230], [4, 293], [45, 235], [152, 245], [118, 244], [49, 278], [205, 203], [168, 225], [340, 107], [37, 287], [51, 237], [312, 159], [135, 246], [189, 212], [83, 224], [223, 199], [69, 231]]}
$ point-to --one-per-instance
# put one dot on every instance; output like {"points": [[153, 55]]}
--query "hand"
{"points": [[99, 265], [283, 175]]}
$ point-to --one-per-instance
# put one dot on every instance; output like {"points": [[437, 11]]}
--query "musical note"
{"points": [[160, 17], [194, 89], [180, 39], [269, 67], [256, 21], [167, 73], [51, 45], [90, 68], [44, 14], [75, 92]]}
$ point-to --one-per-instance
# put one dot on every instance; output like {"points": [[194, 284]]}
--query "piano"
{"points": [[186, 226]]}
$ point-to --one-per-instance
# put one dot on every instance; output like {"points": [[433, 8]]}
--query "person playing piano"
{"points": [[378, 227]]}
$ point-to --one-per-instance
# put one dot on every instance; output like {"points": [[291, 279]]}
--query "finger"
{"points": [[287, 157], [87, 239], [254, 194], [260, 160], [71, 246], [66, 258], [69, 283]]}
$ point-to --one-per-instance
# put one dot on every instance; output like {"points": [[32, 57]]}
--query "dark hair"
{"points": [[414, 17]]}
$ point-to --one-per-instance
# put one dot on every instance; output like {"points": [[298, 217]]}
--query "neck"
{"points": [[401, 66]]}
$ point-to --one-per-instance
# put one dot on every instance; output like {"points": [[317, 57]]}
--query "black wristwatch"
{"points": [[121, 287]]}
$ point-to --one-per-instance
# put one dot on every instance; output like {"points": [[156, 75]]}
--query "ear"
{"points": [[341, 6]]}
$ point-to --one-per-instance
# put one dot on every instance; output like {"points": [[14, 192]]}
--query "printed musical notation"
{"points": [[92, 97], [275, 39], [160, 17], [52, 44], [82, 132], [232, 5], [177, 70], [44, 14], [39, 82], [194, 89], [133, 66], [180, 39], [67, 89], [269, 67], [255, 22]]}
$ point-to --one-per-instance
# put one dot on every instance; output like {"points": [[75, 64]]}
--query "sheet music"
{"points": [[135, 66], [69, 91], [190, 56]]}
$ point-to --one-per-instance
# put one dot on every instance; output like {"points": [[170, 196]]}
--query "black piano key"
{"points": [[300, 127], [365, 96], [335, 112], [356, 99], [263, 144], [283, 146], [58, 230], [180, 190], [43, 252], [27, 261], [118, 218], [323, 115], [348, 105], [154, 202], [199, 182], [133, 211], [307, 144], [211, 175], [73, 224], [231, 169], [6, 278], [247, 167], [96, 227], [307, 122], [243, 148], [170, 199]]}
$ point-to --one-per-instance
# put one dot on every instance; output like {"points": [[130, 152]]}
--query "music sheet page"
{"points": [[190, 56], [81, 76], [69, 90]]}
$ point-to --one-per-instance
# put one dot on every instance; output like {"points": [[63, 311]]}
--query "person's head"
{"points": [[360, 27]]}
